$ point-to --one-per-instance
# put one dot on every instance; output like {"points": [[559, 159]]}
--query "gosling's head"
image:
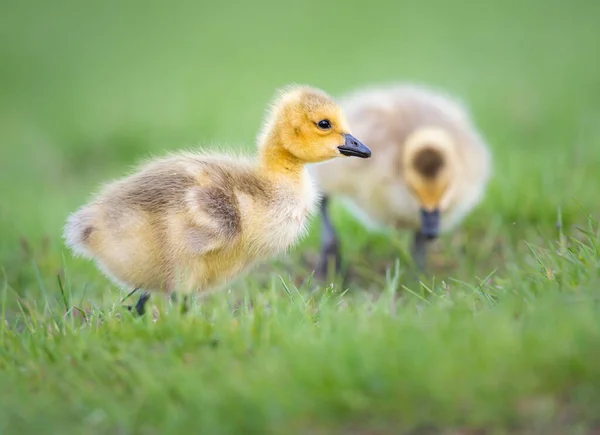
{"points": [[307, 124], [429, 163]]}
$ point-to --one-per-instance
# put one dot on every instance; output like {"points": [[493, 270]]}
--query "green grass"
{"points": [[502, 337]]}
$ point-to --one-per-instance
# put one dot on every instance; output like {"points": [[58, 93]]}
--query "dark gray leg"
{"points": [[419, 250], [329, 243]]}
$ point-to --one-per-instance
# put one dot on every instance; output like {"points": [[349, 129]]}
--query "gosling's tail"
{"points": [[78, 231]]}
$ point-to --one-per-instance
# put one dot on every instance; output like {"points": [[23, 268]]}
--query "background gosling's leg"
{"points": [[329, 243], [428, 232], [419, 250]]}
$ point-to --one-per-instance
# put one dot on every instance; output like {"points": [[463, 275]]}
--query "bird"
{"points": [[430, 167], [193, 220]]}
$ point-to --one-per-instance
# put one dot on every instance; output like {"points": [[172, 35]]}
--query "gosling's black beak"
{"points": [[430, 223], [353, 147]]}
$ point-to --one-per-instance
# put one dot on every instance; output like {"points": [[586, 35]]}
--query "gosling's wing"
{"points": [[215, 219]]}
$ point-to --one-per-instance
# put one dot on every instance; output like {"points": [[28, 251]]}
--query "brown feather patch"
{"points": [[222, 206], [428, 162]]}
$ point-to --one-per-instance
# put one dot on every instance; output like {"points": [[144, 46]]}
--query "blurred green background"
{"points": [[89, 88]]}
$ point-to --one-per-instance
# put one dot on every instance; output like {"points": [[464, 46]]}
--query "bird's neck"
{"points": [[276, 161]]}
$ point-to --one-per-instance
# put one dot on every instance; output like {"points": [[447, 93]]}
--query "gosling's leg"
{"points": [[419, 250], [329, 243], [184, 303]]}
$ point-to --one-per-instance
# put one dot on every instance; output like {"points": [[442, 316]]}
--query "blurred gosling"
{"points": [[430, 167], [194, 220]]}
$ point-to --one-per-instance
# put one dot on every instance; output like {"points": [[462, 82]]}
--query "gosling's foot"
{"points": [[184, 303], [140, 306]]}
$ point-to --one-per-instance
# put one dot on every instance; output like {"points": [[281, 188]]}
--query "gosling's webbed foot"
{"points": [[185, 307], [140, 306], [184, 303]]}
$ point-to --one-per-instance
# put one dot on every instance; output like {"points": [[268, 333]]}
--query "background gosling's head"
{"points": [[309, 126], [429, 165]]}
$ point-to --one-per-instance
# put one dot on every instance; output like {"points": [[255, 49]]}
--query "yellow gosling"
{"points": [[193, 220]]}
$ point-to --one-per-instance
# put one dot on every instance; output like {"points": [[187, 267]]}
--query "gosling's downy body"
{"points": [[192, 220], [429, 169]]}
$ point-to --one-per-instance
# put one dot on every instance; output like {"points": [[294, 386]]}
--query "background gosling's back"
{"points": [[193, 220], [429, 169]]}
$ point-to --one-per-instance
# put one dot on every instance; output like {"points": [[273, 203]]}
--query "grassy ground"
{"points": [[502, 338]]}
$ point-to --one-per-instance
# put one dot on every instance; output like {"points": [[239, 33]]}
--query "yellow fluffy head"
{"points": [[429, 164], [308, 125]]}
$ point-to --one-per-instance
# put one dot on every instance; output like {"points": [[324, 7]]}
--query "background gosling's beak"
{"points": [[353, 147], [430, 223]]}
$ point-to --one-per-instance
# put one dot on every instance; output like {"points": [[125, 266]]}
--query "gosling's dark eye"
{"points": [[324, 124]]}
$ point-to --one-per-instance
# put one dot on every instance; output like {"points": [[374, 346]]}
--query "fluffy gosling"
{"points": [[429, 170], [193, 220]]}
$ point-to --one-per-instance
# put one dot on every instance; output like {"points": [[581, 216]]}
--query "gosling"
{"points": [[430, 167], [194, 220]]}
